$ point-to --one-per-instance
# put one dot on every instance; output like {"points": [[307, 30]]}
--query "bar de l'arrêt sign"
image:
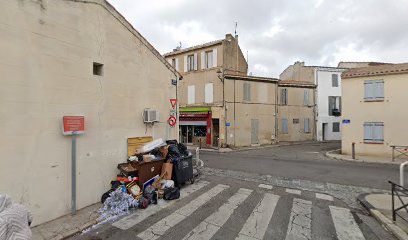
{"points": [[73, 125]]}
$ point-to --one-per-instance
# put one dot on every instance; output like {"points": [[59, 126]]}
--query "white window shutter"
{"points": [[215, 57], [177, 64], [380, 89], [368, 135], [195, 61], [209, 93], [202, 60], [185, 63], [191, 94]]}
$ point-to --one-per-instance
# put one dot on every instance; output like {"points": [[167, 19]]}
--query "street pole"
{"points": [[73, 175]]}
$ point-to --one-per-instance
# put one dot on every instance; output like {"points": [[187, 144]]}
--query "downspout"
{"points": [[234, 115], [276, 112], [314, 105]]}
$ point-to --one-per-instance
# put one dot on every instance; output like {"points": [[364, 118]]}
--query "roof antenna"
{"points": [[236, 26]]}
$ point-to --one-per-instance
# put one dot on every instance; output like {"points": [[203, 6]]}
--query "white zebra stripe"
{"points": [[345, 225], [257, 223], [207, 228], [158, 229], [299, 226]]}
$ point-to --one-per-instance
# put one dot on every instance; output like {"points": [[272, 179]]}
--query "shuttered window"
{"points": [[209, 93], [336, 127], [334, 104], [306, 125], [209, 59], [306, 97], [284, 96], [374, 132], [284, 126], [191, 94], [373, 90], [247, 91], [335, 80]]}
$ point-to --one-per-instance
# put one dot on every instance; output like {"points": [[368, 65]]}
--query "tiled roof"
{"points": [[249, 78], [193, 48], [378, 70], [295, 83]]}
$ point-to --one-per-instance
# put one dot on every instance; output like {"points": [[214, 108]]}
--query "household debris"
{"points": [[154, 170], [15, 220]]}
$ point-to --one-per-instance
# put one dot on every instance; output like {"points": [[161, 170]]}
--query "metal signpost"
{"points": [[73, 126]]}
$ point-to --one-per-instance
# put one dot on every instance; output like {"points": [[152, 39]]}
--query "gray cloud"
{"points": [[277, 33]]}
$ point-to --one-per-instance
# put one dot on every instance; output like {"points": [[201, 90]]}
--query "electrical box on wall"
{"points": [[150, 115]]}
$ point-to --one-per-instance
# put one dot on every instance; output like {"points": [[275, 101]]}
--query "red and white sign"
{"points": [[173, 102], [73, 125]]}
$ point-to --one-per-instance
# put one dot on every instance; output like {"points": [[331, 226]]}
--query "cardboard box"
{"points": [[167, 170], [148, 158]]}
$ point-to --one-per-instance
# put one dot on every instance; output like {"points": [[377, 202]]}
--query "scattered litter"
{"points": [[117, 204]]}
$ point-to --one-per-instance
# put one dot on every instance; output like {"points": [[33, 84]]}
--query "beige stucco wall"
{"points": [[392, 112], [48, 48], [262, 107], [296, 109], [299, 72]]}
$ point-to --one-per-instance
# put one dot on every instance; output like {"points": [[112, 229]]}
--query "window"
{"points": [[336, 127], [284, 96], [190, 63], [335, 80], [296, 121], [284, 126], [209, 93], [373, 132], [209, 59], [173, 62], [191, 94], [247, 91], [334, 106], [98, 69], [306, 97], [373, 90], [306, 125]]}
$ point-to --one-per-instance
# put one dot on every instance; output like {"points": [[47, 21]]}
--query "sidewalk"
{"points": [[379, 206], [67, 225], [335, 154]]}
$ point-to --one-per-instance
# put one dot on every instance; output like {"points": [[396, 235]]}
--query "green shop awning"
{"points": [[195, 109]]}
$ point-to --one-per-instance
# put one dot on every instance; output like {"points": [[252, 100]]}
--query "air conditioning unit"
{"points": [[150, 115]]}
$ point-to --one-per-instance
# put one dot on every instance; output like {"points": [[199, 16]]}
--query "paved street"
{"points": [[304, 162], [288, 192]]}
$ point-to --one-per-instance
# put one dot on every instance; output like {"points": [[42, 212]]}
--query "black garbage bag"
{"points": [[182, 149], [143, 202], [174, 151], [114, 185], [171, 142], [171, 193]]}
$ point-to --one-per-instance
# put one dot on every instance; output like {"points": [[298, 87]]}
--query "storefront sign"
{"points": [[73, 125], [346, 121]]}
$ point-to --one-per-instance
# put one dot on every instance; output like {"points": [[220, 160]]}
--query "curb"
{"points": [[383, 220], [332, 155], [75, 231]]}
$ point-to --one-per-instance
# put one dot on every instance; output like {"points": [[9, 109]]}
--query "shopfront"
{"points": [[195, 126]]}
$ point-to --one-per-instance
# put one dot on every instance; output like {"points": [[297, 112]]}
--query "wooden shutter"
{"points": [[177, 64], [306, 98], [191, 94], [202, 60], [306, 125], [284, 125], [185, 63], [215, 57], [209, 93], [368, 132], [368, 90], [379, 90], [378, 132], [195, 61]]}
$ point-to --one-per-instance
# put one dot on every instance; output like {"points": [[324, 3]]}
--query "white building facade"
{"points": [[328, 99]]}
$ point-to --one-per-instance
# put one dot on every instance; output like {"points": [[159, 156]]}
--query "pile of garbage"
{"points": [[154, 172]]}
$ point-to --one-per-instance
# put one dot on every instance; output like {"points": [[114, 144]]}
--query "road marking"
{"points": [[265, 186], [299, 226], [140, 215], [324, 197], [257, 223], [345, 225], [293, 191], [159, 229], [207, 228]]}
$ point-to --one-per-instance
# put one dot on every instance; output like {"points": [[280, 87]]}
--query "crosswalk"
{"points": [[253, 211]]}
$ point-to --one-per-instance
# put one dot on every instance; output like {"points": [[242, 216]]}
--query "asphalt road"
{"points": [[304, 162]]}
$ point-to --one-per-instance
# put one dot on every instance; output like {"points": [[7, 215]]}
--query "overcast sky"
{"points": [[276, 33]]}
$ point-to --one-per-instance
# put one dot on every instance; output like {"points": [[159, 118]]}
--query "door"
{"points": [[325, 131], [189, 134], [254, 131], [216, 132]]}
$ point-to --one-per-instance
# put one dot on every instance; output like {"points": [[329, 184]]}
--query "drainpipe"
{"points": [[276, 112]]}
